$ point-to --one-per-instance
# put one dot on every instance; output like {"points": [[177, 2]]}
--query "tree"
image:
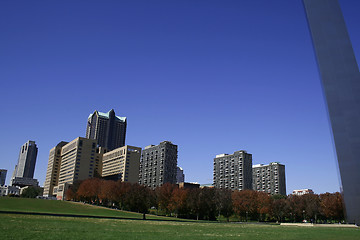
{"points": [[279, 207], [224, 202], [245, 203], [332, 206], [163, 196], [89, 190], [31, 192], [178, 201]]}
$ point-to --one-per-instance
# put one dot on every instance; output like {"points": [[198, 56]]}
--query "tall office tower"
{"points": [[180, 177], [158, 164], [24, 170], [79, 160], [2, 176], [122, 164], [108, 129], [233, 171], [269, 178], [53, 169], [340, 77]]}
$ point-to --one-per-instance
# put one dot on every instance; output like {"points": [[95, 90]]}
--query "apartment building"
{"points": [[269, 178], [158, 165], [233, 171]]}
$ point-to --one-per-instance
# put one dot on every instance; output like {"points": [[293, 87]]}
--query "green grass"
{"points": [[64, 207], [18, 226]]}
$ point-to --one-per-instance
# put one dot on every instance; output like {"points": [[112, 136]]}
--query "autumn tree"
{"points": [[163, 196], [89, 190], [178, 200], [224, 204]]}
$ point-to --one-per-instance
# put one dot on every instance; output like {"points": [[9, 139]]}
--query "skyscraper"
{"points": [[269, 178], [24, 170], [2, 176], [158, 165], [233, 171], [108, 129]]}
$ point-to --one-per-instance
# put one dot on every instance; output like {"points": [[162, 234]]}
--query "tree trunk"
{"points": [[144, 217]]}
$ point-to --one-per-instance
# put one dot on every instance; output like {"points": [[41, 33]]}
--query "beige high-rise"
{"points": [[78, 160], [53, 169], [122, 163]]}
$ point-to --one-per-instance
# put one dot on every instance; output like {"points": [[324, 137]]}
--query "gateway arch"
{"points": [[340, 78]]}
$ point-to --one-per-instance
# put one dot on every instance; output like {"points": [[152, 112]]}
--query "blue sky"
{"points": [[211, 76]]}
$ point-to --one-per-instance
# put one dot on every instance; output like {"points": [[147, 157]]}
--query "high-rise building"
{"points": [[2, 176], [53, 169], [233, 171], [24, 170], [108, 129], [79, 159], [122, 164], [158, 164], [180, 177], [269, 178]]}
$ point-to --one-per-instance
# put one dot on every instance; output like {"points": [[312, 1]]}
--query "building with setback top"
{"points": [[233, 171], [24, 170], [158, 165], [107, 129]]}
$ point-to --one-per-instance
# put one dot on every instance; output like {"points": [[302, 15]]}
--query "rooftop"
{"points": [[106, 115]]}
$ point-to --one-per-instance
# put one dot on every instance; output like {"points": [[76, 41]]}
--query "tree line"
{"points": [[208, 203]]}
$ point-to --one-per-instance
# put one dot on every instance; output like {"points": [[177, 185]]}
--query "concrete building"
{"points": [[24, 170], [302, 192], [233, 171], [108, 129], [80, 159], [340, 77], [3, 173], [188, 185], [158, 165], [9, 190], [122, 164], [53, 169], [180, 177], [269, 178]]}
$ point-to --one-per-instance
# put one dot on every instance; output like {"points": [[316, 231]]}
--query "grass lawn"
{"points": [[17, 226]]}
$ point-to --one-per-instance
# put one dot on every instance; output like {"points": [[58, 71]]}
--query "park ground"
{"points": [[49, 219]]}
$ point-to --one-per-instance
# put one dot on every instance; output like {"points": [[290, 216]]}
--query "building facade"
{"points": [[233, 171], [53, 169], [269, 178], [180, 177], [79, 160], [24, 170], [122, 164], [300, 192], [158, 165], [3, 173], [107, 129]]}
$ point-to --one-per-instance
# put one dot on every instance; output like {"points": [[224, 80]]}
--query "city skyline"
{"points": [[244, 79]]}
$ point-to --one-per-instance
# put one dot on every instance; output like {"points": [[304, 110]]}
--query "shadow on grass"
{"points": [[89, 216]]}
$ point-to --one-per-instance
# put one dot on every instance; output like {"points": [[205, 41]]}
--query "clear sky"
{"points": [[211, 76]]}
